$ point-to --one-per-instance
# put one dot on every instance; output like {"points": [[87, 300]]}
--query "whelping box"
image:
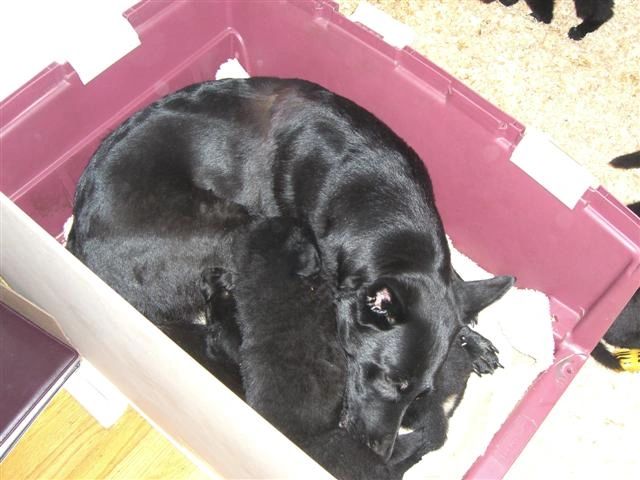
{"points": [[509, 199]]}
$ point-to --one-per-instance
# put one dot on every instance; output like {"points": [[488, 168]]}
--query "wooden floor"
{"points": [[65, 442]]}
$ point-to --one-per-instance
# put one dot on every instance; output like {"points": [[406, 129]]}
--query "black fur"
{"points": [[183, 174], [594, 13], [216, 343], [625, 330], [429, 413], [146, 245], [630, 160], [212, 347], [157, 266], [428, 416], [293, 366]]}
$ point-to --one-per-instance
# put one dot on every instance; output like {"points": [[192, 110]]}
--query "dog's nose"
{"points": [[383, 446]]}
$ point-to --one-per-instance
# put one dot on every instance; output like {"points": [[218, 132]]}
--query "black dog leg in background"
{"points": [[593, 13], [541, 10], [630, 160]]}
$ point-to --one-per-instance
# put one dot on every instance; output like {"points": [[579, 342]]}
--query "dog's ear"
{"points": [[215, 281], [477, 295], [382, 307]]}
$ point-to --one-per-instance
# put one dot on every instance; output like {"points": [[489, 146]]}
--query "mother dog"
{"points": [[281, 147]]}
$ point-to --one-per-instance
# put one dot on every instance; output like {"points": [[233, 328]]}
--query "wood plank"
{"points": [[66, 442]]}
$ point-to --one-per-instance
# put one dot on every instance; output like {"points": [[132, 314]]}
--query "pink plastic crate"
{"points": [[586, 259]]}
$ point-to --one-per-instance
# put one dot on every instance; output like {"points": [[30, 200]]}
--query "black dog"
{"points": [[289, 147], [293, 366], [594, 13], [625, 330]]}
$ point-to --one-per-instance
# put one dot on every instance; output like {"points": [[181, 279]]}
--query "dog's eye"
{"points": [[423, 394]]}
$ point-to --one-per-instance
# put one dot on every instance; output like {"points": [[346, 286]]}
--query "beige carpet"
{"points": [[586, 96]]}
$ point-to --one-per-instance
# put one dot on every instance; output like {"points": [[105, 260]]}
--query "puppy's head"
{"points": [[396, 332], [278, 246]]}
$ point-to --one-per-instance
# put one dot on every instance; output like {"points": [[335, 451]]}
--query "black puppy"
{"points": [[594, 13], [290, 147], [293, 366]]}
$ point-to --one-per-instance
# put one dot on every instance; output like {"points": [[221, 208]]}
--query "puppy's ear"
{"points": [[306, 260], [381, 308], [479, 294], [215, 281], [300, 247]]}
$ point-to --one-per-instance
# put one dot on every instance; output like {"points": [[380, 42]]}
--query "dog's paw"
{"points": [[483, 354], [508, 3], [576, 33]]}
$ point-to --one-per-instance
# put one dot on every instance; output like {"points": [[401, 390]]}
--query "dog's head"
{"points": [[396, 332]]}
